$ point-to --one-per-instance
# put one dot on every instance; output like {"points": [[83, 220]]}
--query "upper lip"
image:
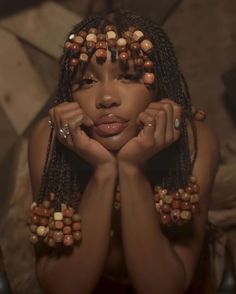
{"points": [[110, 118]]}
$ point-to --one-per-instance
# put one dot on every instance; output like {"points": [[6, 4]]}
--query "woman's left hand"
{"points": [[161, 123]]}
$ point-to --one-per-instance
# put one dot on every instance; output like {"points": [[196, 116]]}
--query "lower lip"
{"points": [[109, 129]]}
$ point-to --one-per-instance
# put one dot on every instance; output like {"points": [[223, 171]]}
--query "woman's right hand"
{"points": [[69, 116]]}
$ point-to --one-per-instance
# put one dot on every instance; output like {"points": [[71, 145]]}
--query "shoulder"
{"points": [[37, 152]]}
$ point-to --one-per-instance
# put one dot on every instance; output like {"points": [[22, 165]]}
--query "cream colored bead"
{"points": [[58, 216], [71, 37], [33, 205], [63, 206], [193, 179], [79, 40], [121, 42], [137, 35], [146, 45], [41, 231], [111, 35], [91, 37], [194, 198], [83, 57], [186, 215], [168, 199], [157, 188]]}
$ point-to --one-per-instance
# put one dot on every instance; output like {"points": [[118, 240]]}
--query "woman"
{"points": [[122, 149]]}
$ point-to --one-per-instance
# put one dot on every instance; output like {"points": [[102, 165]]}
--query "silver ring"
{"points": [[66, 129], [62, 134], [177, 124], [50, 123]]}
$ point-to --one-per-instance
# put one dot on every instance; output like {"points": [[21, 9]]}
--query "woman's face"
{"points": [[106, 89]]}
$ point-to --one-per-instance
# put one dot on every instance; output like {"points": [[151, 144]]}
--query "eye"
{"points": [[127, 77], [84, 83]]}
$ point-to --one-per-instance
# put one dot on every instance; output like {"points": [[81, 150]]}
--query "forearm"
{"points": [[151, 262], [81, 270]]}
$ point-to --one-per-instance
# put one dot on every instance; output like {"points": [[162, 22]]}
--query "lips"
{"points": [[110, 118], [109, 125]]}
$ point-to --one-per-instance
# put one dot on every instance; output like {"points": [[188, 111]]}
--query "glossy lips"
{"points": [[110, 124]]}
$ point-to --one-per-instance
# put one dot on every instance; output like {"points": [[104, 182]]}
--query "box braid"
{"points": [[65, 178]]}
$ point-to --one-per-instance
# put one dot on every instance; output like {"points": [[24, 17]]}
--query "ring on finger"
{"points": [[149, 125], [177, 124], [62, 133], [50, 123], [65, 129]]}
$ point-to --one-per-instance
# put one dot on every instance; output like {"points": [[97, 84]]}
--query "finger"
{"points": [[169, 123], [160, 132]]}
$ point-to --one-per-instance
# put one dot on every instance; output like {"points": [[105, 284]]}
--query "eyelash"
{"points": [[90, 81]]}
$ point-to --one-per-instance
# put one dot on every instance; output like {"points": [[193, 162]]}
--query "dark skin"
{"points": [[146, 254]]}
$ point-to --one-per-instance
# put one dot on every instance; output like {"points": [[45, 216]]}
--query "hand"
{"points": [[67, 118], [163, 117]]}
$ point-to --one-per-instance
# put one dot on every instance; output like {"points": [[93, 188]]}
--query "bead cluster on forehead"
{"points": [[54, 228], [173, 208], [131, 45]]}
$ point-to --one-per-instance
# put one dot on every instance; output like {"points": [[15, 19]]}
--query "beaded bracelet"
{"points": [[172, 208], [54, 228]]}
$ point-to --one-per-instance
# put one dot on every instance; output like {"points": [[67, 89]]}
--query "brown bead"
{"points": [[101, 54], [76, 217], [185, 196], [145, 57], [200, 115], [34, 239], [68, 212], [67, 221], [77, 235], [68, 240], [50, 233], [101, 37], [117, 205], [189, 189], [83, 50], [132, 29], [195, 188], [67, 230], [185, 205], [121, 48], [163, 192], [33, 228], [156, 197], [59, 225], [166, 208], [93, 31], [58, 236], [176, 204], [123, 56], [75, 47], [146, 46], [195, 208], [148, 65], [175, 215], [52, 196], [52, 225], [111, 43], [177, 196], [165, 218], [83, 34], [110, 28], [148, 78], [101, 45], [74, 61], [46, 204], [34, 219], [67, 45], [157, 188], [128, 36], [135, 46], [43, 221], [51, 242], [138, 62], [76, 226]]}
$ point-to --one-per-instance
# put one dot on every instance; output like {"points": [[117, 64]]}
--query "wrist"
{"points": [[108, 170], [130, 168]]}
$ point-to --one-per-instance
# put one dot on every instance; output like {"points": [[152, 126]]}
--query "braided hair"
{"points": [[66, 174]]}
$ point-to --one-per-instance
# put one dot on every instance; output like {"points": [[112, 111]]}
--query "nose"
{"points": [[107, 99]]}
